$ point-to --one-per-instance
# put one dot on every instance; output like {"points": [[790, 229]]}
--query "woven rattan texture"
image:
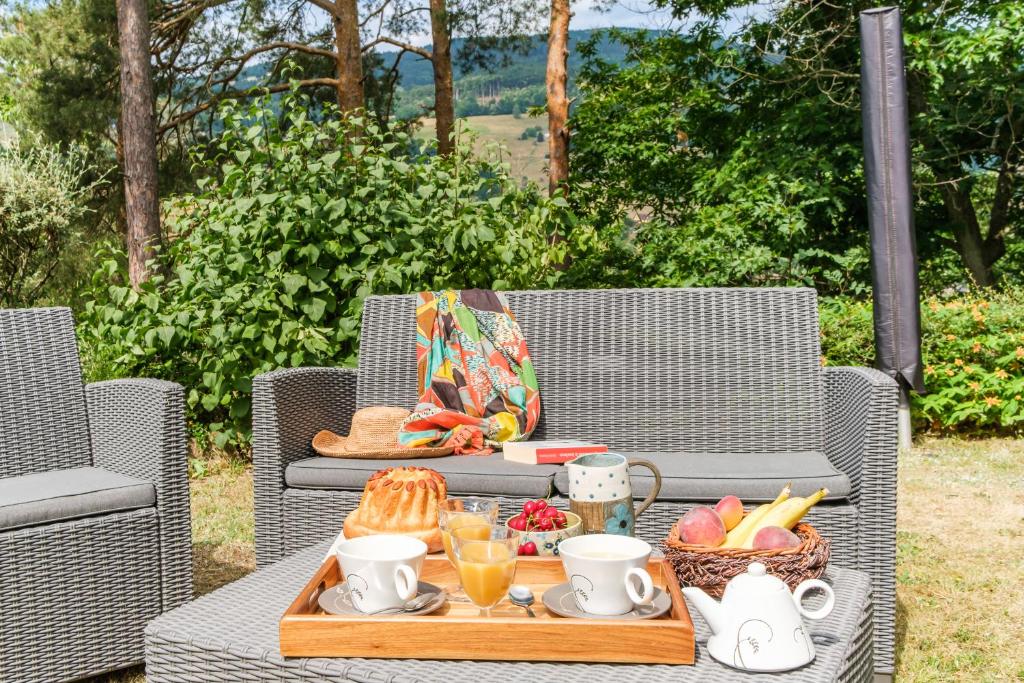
{"points": [[289, 407], [712, 569], [660, 368], [708, 378], [231, 635], [74, 597], [138, 429], [860, 423], [43, 424]]}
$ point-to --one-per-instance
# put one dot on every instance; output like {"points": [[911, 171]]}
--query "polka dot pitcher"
{"points": [[600, 492]]}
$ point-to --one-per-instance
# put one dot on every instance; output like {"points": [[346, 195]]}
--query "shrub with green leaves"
{"points": [[299, 221], [43, 200], [973, 352]]}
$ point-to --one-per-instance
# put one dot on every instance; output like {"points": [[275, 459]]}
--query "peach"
{"points": [[730, 509], [702, 526], [775, 538]]}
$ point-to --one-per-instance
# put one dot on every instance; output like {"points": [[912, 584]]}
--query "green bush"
{"points": [[973, 352], [299, 221], [42, 205]]}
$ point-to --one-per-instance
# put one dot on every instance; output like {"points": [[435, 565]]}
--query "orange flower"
{"points": [[929, 370], [975, 385], [950, 337], [958, 362], [1020, 352], [824, 361], [1017, 397], [976, 347], [1001, 374], [968, 369], [992, 401], [949, 373]]}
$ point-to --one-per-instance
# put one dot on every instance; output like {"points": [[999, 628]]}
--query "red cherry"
{"points": [[560, 518], [528, 548], [546, 524], [518, 523], [541, 504], [529, 507]]}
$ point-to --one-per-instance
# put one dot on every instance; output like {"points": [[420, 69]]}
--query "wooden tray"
{"points": [[456, 631]]}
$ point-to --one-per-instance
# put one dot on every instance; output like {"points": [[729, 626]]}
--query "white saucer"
{"points": [[561, 601]]}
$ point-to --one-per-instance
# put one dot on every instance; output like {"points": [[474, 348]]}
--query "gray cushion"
{"points": [[752, 477], [489, 475], [60, 495]]}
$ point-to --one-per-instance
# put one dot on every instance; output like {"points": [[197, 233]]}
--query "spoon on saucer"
{"points": [[419, 602], [521, 595]]}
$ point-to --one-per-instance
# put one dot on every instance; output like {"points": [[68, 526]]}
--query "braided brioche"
{"points": [[400, 500]]}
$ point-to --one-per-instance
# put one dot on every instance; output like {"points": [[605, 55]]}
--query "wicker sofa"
{"points": [[722, 388], [94, 509]]}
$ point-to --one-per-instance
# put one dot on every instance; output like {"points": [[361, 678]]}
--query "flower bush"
{"points": [[298, 221], [973, 352]]}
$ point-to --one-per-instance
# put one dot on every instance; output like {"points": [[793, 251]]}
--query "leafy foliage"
{"points": [[973, 351], [307, 217], [42, 204], [725, 155], [718, 180]]}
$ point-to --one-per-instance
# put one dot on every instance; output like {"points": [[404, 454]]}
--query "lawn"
{"points": [[526, 158], [960, 547]]}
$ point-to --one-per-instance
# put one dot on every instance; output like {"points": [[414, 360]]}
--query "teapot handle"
{"points": [[825, 609], [655, 490]]}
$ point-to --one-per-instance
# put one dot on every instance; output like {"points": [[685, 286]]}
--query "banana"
{"points": [[736, 537], [785, 515]]}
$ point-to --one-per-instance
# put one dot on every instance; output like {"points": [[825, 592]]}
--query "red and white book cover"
{"points": [[548, 452]]}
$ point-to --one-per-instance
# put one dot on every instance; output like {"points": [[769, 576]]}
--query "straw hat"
{"points": [[373, 434]]}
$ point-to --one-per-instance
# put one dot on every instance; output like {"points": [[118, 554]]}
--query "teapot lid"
{"points": [[756, 578]]}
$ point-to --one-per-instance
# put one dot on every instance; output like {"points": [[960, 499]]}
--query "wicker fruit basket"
{"points": [[711, 568]]}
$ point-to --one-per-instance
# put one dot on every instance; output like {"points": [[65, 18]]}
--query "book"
{"points": [[548, 452]]}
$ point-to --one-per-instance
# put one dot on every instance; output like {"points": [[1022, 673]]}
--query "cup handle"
{"points": [[405, 582], [657, 484], [825, 609], [645, 582]]}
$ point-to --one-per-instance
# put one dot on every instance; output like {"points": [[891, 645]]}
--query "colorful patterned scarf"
{"points": [[476, 383]]}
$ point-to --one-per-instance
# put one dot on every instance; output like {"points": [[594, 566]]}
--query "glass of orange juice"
{"points": [[454, 513], [486, 562]]}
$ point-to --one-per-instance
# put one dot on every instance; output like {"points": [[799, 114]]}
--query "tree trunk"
{"points": [[350, 56], [444, 101], [977, 256], [142, 204], [558, 99]]}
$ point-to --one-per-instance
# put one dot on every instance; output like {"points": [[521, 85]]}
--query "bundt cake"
{"points": [[400, 500]]}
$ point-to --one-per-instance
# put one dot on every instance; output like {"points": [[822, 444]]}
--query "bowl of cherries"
{"points": [[541, 527]]}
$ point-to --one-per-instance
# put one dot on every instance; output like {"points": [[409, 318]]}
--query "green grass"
{"points": [[960, 549], [526, 158]]}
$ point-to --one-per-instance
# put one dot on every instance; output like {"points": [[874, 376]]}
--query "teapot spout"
{"points": [[708, 607]]}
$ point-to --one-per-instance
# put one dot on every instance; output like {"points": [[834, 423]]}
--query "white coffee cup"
{"points": [[603, 572], [382, 571]]}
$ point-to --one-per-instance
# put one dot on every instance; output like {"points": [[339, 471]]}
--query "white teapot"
{"points": [[757, 625]]}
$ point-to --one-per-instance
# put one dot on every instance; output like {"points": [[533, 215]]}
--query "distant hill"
{"points": [[415, 70], [509, 88]]}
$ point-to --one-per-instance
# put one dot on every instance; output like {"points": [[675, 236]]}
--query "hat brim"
{"points": [[332, 445]]}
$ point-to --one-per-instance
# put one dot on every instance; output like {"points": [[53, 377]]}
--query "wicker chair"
{"points": [[94, 508], [723, 388]]}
